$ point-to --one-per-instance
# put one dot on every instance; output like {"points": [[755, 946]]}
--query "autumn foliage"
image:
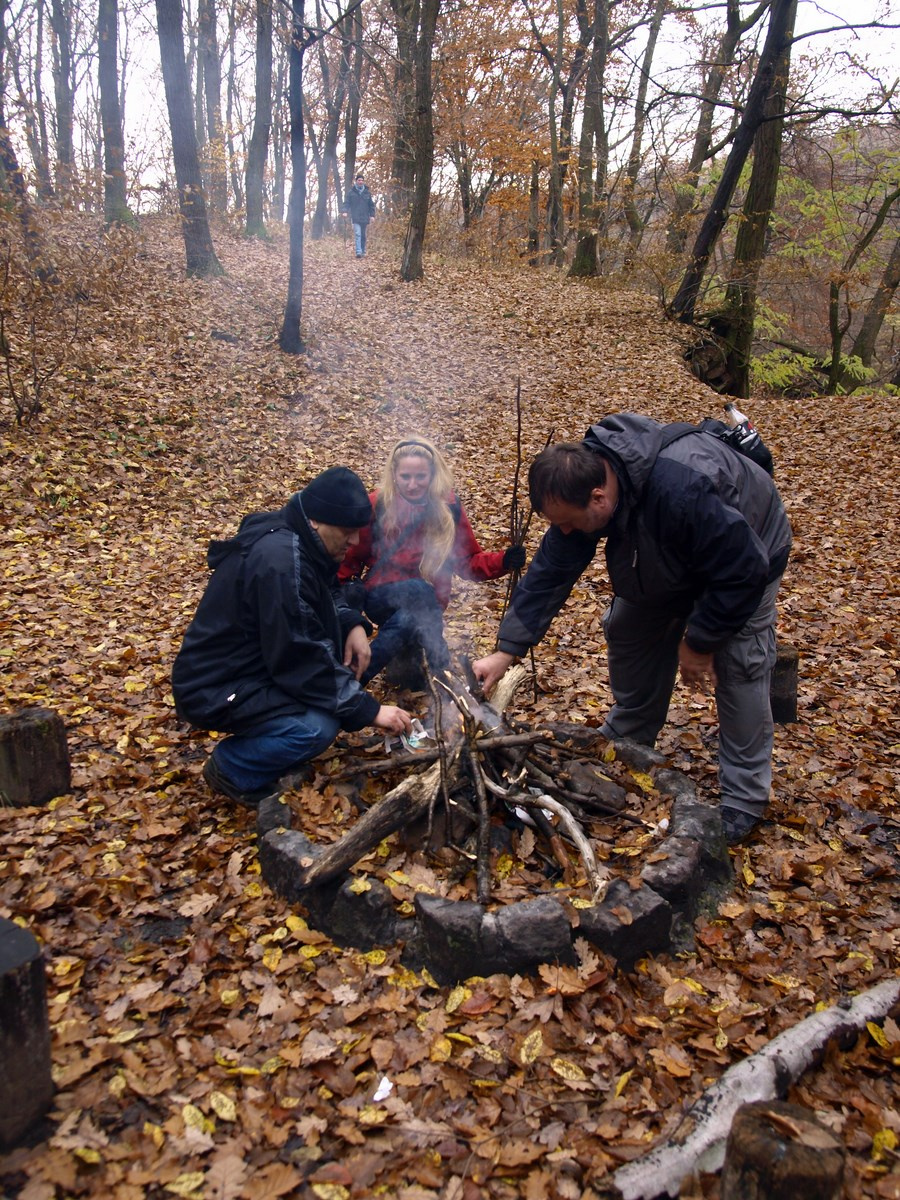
{"points": [[207, 1041]]}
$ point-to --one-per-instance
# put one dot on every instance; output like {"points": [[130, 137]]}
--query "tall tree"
{"points": [[334, 89], [64, 88], [354, 99], [735, 322], [593, 134], [115, 199], [291, 338], [198, 245], [779, 32], [262, 121], [412, 265], [211, 74]]}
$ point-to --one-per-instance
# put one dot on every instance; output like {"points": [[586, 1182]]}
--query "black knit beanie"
{"points": [[337, 497]]}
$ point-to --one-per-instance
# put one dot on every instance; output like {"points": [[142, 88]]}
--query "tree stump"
{"points": [[34, 758], [779, 1151], [26, 1085], [783, 688]]}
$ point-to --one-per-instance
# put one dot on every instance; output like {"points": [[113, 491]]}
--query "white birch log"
{"points": [[699, 1141]]}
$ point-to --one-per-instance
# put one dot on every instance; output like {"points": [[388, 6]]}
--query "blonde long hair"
{"points": [[439, 525]]}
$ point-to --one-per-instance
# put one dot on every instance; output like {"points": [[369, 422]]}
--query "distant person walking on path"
{"points": [[273, 655], [419, 538], [361, 208], [696, 540]]}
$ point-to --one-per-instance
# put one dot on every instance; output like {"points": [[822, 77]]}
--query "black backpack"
{"points": [[740, 438]]}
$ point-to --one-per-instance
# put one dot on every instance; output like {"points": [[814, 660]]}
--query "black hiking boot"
{"points": [[221, 783]]}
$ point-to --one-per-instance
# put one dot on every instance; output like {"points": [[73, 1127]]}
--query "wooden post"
{"points": [[26, 1085], [779, 1151], [783, 689], [34, 758]]}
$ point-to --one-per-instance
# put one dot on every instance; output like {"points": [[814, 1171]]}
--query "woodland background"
{"points": [[206, 1042]]}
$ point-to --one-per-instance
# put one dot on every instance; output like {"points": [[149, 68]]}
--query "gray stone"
{"points": [[635, 754], [26, 1085], [670, 782], [34, 758], [677, 877], [450, 936], [641, 925], [517, 938], [272, 813], [362, 919], [283, 853], [703, 823]]}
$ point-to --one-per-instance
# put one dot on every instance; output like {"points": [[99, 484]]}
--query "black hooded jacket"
{"points": [[699, 532], [268, 636]]}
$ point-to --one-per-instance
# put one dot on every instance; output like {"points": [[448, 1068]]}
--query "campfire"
{"points": [[478, 766]]}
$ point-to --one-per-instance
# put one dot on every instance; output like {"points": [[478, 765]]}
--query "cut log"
{"points": [[26, 1086], [699, 1141], [783, 688], [34, 757], [405, 803], [779, 1151]]}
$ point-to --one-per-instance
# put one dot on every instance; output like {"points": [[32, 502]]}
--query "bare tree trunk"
{"points": [[864, 344], [262, 121], [635, 221], [593, 133], [198, 246], [291, 339], [403, 165], [354, 96], [63, 86], [208, 54], [334, 105], [686, 192], [779, 32], [231, 106], [412, 266], [534, 214], [115, 200], [737, 321]]}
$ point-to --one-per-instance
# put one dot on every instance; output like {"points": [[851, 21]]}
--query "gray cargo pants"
{"points": [[642, 647]]}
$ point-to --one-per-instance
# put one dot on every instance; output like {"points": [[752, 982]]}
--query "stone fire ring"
{"points": [[456, 939]]}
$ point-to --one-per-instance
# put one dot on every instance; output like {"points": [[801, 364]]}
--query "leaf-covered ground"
{"points": [[207, 1043]]}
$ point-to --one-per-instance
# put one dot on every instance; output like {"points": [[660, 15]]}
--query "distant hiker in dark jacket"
{"points": [[696, 543], [419, 538], [273, 655], [361, 208]]}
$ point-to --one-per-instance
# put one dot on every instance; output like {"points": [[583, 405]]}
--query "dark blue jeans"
{"points": [[408, 616], [275, 747]]}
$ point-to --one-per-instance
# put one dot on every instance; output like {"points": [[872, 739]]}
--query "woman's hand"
{"points": [[357, 652]]}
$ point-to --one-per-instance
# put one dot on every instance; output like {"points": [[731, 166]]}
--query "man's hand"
{"points": [[489, 671], [393, 719], [357, 652], [696, 669]]}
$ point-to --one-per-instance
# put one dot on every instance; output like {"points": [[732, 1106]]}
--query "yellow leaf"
{"points": [[194, 1118], [877, 1034], [884, 1143], [253, 890], [441, 1050], [567, 1070], [135, 685], [580, 902], [188, 1185], [155, 1134], [461, 1037], [223, 1106], [694, 985], [623, 1082], [375, 958], [359, 885], [786, 982], [457, 997], [272, 957], [230, 997], [747, 872], [505, 864], [273, 1064], [531, 1047], [721, 1039], [296, 924], [643, 780], [310, 951], [330, 1191], [372, 1114], [87, 1154]]}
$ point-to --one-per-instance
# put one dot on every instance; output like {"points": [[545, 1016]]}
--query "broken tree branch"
{"points": [[699, 1141]]}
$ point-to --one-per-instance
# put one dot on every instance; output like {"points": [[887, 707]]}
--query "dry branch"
{"points": [[699, 1141]]}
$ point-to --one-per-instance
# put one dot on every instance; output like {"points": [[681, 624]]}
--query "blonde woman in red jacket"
{"points": [[419, 538]]}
